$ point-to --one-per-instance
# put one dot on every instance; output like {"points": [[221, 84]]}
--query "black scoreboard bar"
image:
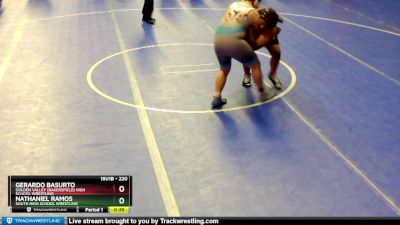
{"points": [[89, 194]]}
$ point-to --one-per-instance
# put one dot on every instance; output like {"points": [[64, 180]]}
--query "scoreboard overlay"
{"points": [[88, 194]]}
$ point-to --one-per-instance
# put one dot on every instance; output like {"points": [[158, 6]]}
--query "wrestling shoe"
{"points": [[246, 84], [267, 94], [218, 102], [275, 81]]}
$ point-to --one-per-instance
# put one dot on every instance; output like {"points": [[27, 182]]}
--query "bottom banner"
{"points": [[222, 220], [188, 220]]}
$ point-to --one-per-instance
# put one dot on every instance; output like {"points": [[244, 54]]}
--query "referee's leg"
{"points": [[148, 11]]}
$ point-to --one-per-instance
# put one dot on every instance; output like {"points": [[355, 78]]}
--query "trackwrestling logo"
{"points": [[32, 220]]}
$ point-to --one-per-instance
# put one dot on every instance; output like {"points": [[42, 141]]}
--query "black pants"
{"points": [[147, 9]]}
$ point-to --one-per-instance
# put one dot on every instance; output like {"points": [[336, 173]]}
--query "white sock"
{"points": [[247, 78]]}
